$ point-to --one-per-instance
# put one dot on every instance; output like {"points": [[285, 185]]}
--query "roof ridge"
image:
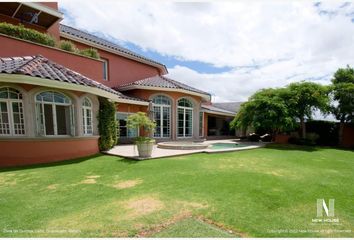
{"points": [[115, 45]]}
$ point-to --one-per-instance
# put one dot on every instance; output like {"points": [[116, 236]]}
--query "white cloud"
{"points": [[287, 40]]}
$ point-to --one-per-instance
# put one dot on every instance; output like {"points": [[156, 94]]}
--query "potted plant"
{"points": [[144, 142]]}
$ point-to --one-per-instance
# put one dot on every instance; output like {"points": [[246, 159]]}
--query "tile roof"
{"points": [[100, 41], [39, 66], [162, 82], [229, 106], [216, 109]]}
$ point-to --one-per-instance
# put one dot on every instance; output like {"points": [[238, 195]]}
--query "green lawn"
{"points": [[268, 192]]}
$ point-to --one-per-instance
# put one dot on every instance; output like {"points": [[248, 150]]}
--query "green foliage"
{"points": [[67, 46], [107, 124], [304, 98], [90, 52], [141, 120], [20, 31], [278, 109], [344, 75], [266, 109], [343, 94]]}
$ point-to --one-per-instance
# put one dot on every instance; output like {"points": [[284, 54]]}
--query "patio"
{"points": [[131, 151]]}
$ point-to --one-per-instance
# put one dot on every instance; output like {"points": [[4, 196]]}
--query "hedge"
{"points": [[107, 124], [20, 31]]}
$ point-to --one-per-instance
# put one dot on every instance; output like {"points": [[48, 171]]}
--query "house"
{"points": [[49, 97]]}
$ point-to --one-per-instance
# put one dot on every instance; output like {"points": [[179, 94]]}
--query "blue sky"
{"points": [[230, 49]]}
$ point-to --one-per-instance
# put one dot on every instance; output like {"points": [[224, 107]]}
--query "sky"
{"points": [[229, 49]]}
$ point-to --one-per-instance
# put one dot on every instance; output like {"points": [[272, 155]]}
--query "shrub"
{"points": [[107, 124], [67, 46], [90, 52], [141, 120], [20, 31]]}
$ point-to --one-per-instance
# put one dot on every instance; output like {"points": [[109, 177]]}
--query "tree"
{"points": [[303, 98], [267, 109], [343, 95], [141, 121]]}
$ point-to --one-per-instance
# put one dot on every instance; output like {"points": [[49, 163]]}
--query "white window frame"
{"points": [[126, 137], [10, 115], [161, 107], [40, 104], [105, 69], [184, 119], [85, 117]]}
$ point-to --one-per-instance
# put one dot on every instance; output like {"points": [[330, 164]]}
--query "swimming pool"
{"points": [[218, 146]]}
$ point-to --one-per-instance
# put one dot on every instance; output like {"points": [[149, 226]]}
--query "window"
{"points": [[105, 69], [87, 116], [162, 116], [54, 114], [184, 118], [201, 124], [124, 131], [11, 113]]}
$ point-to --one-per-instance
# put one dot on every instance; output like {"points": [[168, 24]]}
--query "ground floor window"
{"points": [[11, 112], [54, 114], [124, 131], [162, 116], [184, 118], [87, 116]]}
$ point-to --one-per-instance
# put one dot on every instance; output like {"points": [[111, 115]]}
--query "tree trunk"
{"points": [[340, 133], [303, 127]]}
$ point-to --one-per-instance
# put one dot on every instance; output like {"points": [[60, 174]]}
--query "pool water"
{"points": [[217, 146]]}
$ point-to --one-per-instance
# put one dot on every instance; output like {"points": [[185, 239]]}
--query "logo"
{"points": [[321, 205], [325, 213]]}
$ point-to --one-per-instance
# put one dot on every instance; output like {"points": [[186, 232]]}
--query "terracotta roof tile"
{"points": [[100, 41], [162, 82], [39, 66]]}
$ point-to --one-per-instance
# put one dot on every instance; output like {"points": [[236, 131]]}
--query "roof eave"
{"points": [[25, 79], [219, 113], [206, 97], [162, 68]]}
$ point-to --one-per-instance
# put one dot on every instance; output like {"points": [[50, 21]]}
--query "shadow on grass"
{"points": [[128, 160], [291, 147], [64, 162]]}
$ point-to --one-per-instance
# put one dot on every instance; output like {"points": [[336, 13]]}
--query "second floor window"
{"points": [[105, 69]]}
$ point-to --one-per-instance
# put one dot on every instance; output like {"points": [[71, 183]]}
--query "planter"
{"points": [[145, 148]]}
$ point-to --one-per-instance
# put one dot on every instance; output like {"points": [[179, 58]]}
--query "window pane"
{"points": [[4, 94], [53, 97], [63, 119], [48, 117]]}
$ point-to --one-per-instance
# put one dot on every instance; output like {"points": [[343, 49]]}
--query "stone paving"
{"points": [[131, 151]]}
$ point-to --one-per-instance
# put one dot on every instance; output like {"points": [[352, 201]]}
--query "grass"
{"points": [[191, 228], [267, 192]]}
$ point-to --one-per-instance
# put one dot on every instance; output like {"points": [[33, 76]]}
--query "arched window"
{"points": [[11, 112], [87, 116], [162, 116], [54, 114], [184, 118]]}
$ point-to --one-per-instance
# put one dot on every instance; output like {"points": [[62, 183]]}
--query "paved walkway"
{"points": [[131, 151]]}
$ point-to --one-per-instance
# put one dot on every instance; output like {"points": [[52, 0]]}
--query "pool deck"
{"points": [[131, 151]]}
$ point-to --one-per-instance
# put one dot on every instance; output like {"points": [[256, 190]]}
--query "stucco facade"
{"points": [[29, 69]]}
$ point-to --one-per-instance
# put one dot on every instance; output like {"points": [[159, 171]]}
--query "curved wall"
{"points": [[20, 152]]}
